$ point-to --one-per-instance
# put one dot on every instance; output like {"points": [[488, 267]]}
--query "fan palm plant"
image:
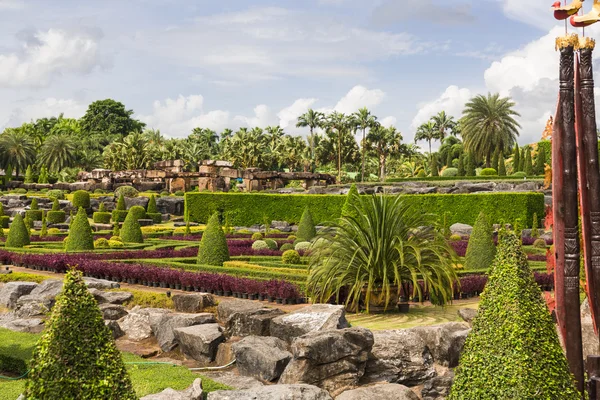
{"points": [[443, 123], [389, 247]]}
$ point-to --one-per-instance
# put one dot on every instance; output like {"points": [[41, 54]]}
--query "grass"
{"points": [[22, 277], [148, 299], [146, 378], [419, 315]]}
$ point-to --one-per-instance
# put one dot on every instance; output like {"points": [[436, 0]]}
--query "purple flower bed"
{"points": [[460, 247]]}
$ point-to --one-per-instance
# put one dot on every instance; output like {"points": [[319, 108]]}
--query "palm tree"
{"points": [[443, 123], [488, 125], [384, 141], [382, 252], [58, 152], [66, 127], [339, 125], [313, 119], [427, 131], [17, 149], [363, 120], [154, 136]]}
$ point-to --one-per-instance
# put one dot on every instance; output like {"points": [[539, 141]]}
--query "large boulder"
{"points": [[438, 387], [313, 318], [163, 326], [261, 357], [13, 322], [445, 341], [12, 291], [170, 205], [40, 300], [112, 312], [386, 391], [136, 324], [136, 201], [194, 392], [193, 303], [200, 342], [399, 356], [461, 229], [111, 297], [115, 328], [246, 318], [333, 360], [273, 392], [103, 284]]}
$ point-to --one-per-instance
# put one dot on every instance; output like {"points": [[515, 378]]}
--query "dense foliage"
{"points": [[131, 232], [80, 233], [120, 213], [481, 249], [18, 235], [213, 248], [306, 227], [81, 198], [513, 350], [349, 210], [152, 211]]}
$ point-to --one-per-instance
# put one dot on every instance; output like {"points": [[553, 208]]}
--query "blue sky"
{"points": [[185, 63]]}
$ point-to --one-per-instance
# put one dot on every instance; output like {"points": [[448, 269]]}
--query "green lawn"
{"points": [[146, 378]]}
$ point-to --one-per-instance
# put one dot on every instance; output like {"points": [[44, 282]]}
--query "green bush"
{"points": [[450, 172], [488, 172], [246, 209], [179, 193], [80, 233], [28, 222], [213, 248], [539, 244], [286, 246], [56, 194], [56, 217], [18, 234], [260, 245], [116, 238], [257, 236], [138, 211], [164, 193], [101, 217], [292, 237], [519, 174], [513, 351], [34, 204], [152, 205], [55, 205], [53, 231], [126, 191], [4, 221], [131, 232], [481, 249], [28, 175], [421, 173], [120, 213], [306, 227], [290, 257], [272, 244], [86, 372], [455, 238], [102, 207], [81, 198], [155, 217], [535, 233], [302, 246], [350, 210], [115, 244], [34, 215], [20, 191], [101, 243]]}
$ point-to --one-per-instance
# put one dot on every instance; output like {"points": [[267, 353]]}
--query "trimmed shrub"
{"points": [[56, 217], [18, 235], [120, 213], [99, 191], [519, 174], [53, 231], [80, 233], [131, 232], [81, 199], [126, 191], [540, 244], [155, 217], [101, 243], [115, 244], [528, 162], [138, 211], [87, 372], [55, 205], [164, 193], [1, 210], [534, 227], [34, 213], [28, 222], [421, 174], [450, 172], [286, 246], [257, 236], [34, 204], [481, 249], [152, 205], [290, 257], [102, 207], [513, 351], [351, 205], [292, 237], [179, 193], [455, 238], [272, 244], [213, 248], [501, 166], [56, 194], [488, 172], [260, 245], [28, 175], [117, 231], [117, 238], [101, 217], [302, 246], [4, 221], [44, 230], [306, 228]]}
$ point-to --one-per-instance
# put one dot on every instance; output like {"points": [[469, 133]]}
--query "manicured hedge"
{"points": [[101, 217], [18, 235], [4, 221], [81, 198], [246, 209], [56, 217], [80, 233]]}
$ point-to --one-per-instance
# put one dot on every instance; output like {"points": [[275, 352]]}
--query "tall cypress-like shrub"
{"points": [[18, 234], [433, 166], [76, 357], [535, 233], [306, 227], [213, 248], [152, 211], [461, 166], [513, 351], [501, 166], [131, 232], [449, 159], [470, 165], [28, 175], [44, 230], [528, 163], [350, 208], [516, 159], [481, 249], [80, 233], [522, 160], [540, 161], [120, 213], [495, 160]]}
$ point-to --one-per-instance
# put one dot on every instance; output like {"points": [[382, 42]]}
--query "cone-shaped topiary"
{"points": [[306, 228], [80, 233], [131, 232], [522, 160], [116, 231], [81, 198], [76, 357], [350, 208], [34, 204], [1, 210], [18, 235], [481, 249], [495, 158], [120, 213], [535, 233], [55, 205], [433, 166], [44, 230], [540, 161], [213, 248], [528, 163], [470, 165], [152, 205], [28, 175], [513, 350], [501, 166], [101, 207], [516, 159]]}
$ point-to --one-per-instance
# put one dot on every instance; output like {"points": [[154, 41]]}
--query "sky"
{"points": [[180, 64]]}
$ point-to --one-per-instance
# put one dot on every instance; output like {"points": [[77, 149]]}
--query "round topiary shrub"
{"points": [[213, 248], [488, 172], [257, 236], [519, 174], [164, 193], [512, 351], [80, 233], [455, 238], [18, 234], [131, 232], [450, 172], [292, 237], [117, 238], [81, 199], [286, 246], [481, 249], [539, 244], [260, 245], [179, 193], [306, 228], [290, 257], [101, 243], [126, 191], [87, 372], [138, 211], [55, 194], [53, 231], [302, 246], [272, 244], [115, 244]]}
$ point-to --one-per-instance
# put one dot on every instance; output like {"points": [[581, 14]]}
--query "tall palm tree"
{"points": [[58, 152], [443, 123], [363, 120], [17, 149], [313, 119], [488, 124], [339, 125], [426, 131], [384, 141]]}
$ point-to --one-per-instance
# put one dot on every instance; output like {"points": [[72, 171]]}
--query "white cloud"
{"points": [[11, 4], [394, 11], [358, 97], [50, 107], [452, 101], [388, 121], [288, 116], [262, 117], [46, 55], [531, 12]]}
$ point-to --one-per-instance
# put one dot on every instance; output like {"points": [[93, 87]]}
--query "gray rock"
{"points": [[313, 318], [136, 201], [170, 205], [281, 225], [194, 392], [164, 324], [200, 342], [115, 329], [445, 341], [461, 229], [112, 312], [591, 345], [467, 314], [527, 187], [246, 318], [193, 303], [439, 387], [333, 360], [12, 291], [136, 324], [261, 357], [103, 284], [233, 380], [273, 392], [386, 391], [111, 297], [469, 187], [40, 300], [13, 322], [399, 356]]}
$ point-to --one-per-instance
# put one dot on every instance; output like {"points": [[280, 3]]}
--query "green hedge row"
{"points": [[245, 209], [508, 178]]}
